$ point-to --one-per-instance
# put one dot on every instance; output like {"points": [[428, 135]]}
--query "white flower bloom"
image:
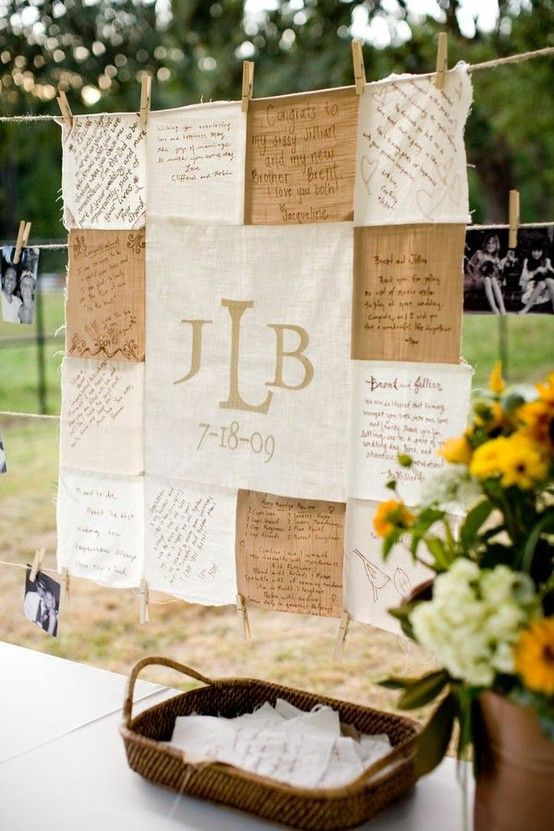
{"points": [[474, 619]]}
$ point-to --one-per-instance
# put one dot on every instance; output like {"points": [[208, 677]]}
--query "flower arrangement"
{"points": [[488, 614]]}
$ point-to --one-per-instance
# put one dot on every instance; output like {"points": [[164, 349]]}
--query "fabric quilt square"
{"points": [[301, 157], [100, 527], [102, 418], [104, 172], [407, 303], [196, 163], [372, 585], [247, 365], [403, 408], [290, 553], [411, 161], [105, 295], [190, 540]]}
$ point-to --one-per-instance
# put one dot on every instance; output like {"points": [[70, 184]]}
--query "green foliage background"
{"points": [[194, 49]]}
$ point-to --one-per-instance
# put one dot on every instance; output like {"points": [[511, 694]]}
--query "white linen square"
{"points": [[190, 540], [411, 161], [100, 520], [248, 353], [403, 408], [102, 418], [196, 159], [371, 584], [104, 172]]}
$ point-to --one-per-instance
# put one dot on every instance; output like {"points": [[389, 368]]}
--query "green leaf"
{"points": [[424, 690], [435, 736], [405, 460], [473, 521], [396, 682], [391, 484], [402, 614], [390, 541], [545, 525], [438, 550]]}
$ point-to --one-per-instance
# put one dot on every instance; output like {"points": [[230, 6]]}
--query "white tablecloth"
{"points": [[80, 780]]}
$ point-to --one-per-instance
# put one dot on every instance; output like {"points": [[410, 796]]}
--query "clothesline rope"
{"points": [[25, 566], [522, 56], [9, 414], [55, 571], [63, 245]]}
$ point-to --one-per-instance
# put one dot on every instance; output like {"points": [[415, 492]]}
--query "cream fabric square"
{"points": [[411, 161], [102, 418], [104, 172], [196, 158], [190, 541], [371, 585], [403, 408], [100, 527], [247, 364]]}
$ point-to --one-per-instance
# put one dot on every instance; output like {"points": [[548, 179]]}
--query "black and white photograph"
{"points": [[42, 602], [19, 282], [503, 280]]}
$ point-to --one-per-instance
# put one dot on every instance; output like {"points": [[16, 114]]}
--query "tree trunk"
{"points": [[495, 171]]}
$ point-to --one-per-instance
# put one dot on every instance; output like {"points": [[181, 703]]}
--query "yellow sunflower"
{"points": [[516, 459], [534, 656], [391, 514], [537, 418], [456, 451], [497, 383], [546, 389]]}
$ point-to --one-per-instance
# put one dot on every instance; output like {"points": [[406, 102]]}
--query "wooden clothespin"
{"points": [[144, 602], [247, 84], [359, 66], [19, 241], [513, 218], [243, 615], [37, 562], [145, 99], [65, 586], [65, 109], [442, 60], [341, 635]]}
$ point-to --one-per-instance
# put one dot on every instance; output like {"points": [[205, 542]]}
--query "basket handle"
{"points": [[401, 750], [158, 661]]}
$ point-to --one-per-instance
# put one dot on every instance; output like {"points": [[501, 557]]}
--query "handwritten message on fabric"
{"points": [[105, 295], [402, 408], [290, 553], [247, 376], [371, 585], [300, 158], [411, 162], [408, 293], [102, 415], [100, 527], [196, 163], [104, 172], [190, 540]]}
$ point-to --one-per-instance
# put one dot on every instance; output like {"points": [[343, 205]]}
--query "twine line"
{"points": [[522, 56]]}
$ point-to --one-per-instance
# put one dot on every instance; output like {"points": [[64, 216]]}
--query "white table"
{"points": [[80, 780]]}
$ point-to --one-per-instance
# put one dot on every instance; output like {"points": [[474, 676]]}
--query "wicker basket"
{"points": [[145, 738]]}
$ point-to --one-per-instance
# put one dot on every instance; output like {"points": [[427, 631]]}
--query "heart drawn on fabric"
{"points": [[379, 94], [429, 201], [368, 170]]}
